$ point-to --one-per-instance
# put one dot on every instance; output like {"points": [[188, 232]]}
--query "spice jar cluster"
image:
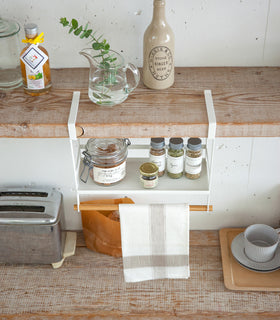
{"points": [[179, 160], [105, 161]]}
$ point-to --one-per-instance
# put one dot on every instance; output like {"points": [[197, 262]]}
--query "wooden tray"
{"points": [[237, 277]]}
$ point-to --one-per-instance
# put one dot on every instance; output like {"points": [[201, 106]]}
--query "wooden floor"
{"points": [[91, 286]]}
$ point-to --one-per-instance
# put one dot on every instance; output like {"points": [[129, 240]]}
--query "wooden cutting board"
{"points": [[237, 277]]}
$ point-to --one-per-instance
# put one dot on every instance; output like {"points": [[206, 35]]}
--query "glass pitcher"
{"points": [[108, 82], [10, 73]]}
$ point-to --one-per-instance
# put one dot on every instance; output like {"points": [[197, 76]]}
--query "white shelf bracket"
{"points": [[73, 115], [211, 136], [73, 135], [211, 114]]}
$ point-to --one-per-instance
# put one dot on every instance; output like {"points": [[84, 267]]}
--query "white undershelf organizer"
{"points": [[183, 190]]}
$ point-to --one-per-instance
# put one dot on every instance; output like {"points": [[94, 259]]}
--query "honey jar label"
{"points": [[34, 58], [35, 80], [109, 175]]}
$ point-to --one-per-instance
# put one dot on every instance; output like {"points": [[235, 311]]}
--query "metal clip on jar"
{"points": [[105, 160], [149, 175], [193, 158], [175, 158], [158, 155]]}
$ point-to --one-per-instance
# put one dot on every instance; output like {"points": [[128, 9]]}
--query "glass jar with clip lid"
{"points": [[105, 160]]}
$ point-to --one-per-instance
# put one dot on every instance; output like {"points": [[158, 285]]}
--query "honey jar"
{"points": [[105, 160]]}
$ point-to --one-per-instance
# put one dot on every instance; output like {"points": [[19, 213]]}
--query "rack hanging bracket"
{"points": [[73, 115]]}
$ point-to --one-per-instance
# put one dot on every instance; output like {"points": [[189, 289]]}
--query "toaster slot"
{"points": [[24, 208], [23, 194]]}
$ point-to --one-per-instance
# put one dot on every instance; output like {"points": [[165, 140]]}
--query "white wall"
{"points": [[208, 32], [245, 190]]}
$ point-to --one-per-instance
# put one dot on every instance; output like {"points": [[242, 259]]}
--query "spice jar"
{"points": [[175, 158], [106, 160], [193, 158], [157, 154], [149, 175]]}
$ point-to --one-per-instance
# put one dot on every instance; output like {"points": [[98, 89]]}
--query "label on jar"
{"points": [[34, 80], [160, 62], [34, 59], [109, 175], [193, 161], [149, 183], [159, 161], [192, 169], [175, 164]]}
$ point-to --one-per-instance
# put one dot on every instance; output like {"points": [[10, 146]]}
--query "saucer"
{"points": [[238, 251]]}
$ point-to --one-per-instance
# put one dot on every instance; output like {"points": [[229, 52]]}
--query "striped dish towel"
{"points": [[155, 241]]}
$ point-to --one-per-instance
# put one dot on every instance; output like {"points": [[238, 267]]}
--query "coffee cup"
{"points": [[260, 242]]}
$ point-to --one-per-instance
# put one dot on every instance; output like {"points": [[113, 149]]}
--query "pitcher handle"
{"points": [[136, 74]]}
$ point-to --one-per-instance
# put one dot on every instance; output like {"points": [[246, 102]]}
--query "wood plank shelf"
{"points": [[246, 100], [90, 285]]}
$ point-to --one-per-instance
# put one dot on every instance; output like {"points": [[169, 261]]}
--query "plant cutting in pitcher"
{"points": [[108, 83], [102, 47]]}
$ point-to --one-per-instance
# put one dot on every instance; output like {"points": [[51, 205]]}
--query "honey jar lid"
{"points": [[148, 169]]}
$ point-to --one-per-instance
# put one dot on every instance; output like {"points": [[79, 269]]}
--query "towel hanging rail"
{"points": [[108, 207]]}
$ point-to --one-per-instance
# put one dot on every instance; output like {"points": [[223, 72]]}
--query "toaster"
{"points": [[30, 226]]}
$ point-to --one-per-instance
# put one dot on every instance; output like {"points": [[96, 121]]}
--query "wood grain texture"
{"points": [[91, 286], [246, 100], [238, 278]]}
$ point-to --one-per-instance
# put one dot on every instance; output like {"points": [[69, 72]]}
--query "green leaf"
{"points": [[78, 31], [96, 46], [103, 52], [83, 34], [74, 23], [71, 29], [64, 22], [106, 65], [88, 33], [107, 46]]}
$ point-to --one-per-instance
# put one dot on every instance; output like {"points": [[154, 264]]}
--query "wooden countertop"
{"points": [[91, 286], [246, 100]]}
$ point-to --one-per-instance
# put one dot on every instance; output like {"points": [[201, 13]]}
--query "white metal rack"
{"points": [[168, 190]]}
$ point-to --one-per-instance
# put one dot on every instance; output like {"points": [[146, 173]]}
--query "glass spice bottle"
{"points": [[35, 63], [157, 154], [175, 158], [149, 175], [193, 158]]}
